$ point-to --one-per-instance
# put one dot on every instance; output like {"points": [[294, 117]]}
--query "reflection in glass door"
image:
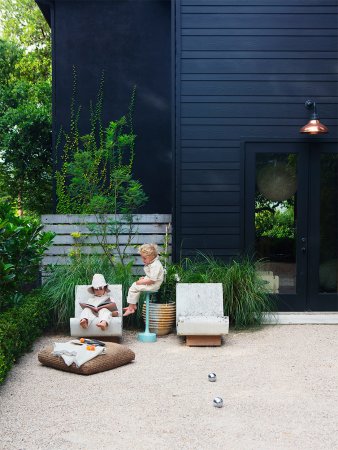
{"points": [[276, 219]]}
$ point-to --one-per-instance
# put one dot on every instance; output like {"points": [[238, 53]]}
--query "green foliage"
{"points": [[167, 291], [22, 23], [25, 135], [25, 147], [25, 106], [7, 277], [22, 244], [275, 219], [244, 293], [10, 55], [59, 287], [19, 327], [95, 176]]}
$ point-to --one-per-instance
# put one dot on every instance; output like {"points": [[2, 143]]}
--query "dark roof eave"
{"points": [[45, 7]]}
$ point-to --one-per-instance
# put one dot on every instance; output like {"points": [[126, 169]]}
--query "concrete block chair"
{"points": [[115, 326], [199, 313]]}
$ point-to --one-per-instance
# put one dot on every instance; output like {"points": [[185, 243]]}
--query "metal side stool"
{"points": [[146, 336]]}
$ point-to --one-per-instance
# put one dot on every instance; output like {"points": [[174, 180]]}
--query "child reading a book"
{"points": [[151, 282], [99, 304]]}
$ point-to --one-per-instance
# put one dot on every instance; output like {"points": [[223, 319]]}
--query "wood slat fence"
{"points": [[147, 228]]}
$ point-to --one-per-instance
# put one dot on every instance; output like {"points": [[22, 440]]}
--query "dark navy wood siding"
{"points": [[243, 69], [131, 41]]}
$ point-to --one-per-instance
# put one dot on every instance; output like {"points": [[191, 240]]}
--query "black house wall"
{"points": [[131, 41], [243, 70]]}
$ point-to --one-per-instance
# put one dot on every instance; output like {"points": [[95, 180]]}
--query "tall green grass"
{"points": [[245, 298]]}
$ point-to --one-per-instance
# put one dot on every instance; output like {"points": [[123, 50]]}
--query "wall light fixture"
{"points": [[313, 126]]}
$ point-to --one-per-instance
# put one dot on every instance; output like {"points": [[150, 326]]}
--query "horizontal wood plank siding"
{"points": [[243, 70], [147, 228]]}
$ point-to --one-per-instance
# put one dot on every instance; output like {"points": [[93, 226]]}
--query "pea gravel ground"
{"points": [[279, 385]]}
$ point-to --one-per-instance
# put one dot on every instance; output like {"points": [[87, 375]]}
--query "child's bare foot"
{"points": [[130, 309], [84, 323], [103, 325], [115, 313]]}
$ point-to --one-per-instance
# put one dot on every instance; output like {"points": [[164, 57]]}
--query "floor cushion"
{"points": [[116, 355]]}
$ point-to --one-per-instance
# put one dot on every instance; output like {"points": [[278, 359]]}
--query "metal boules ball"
{"points": [[212, 376], [218, 402]]}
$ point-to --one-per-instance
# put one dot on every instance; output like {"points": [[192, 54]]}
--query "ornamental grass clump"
{"points": [[246, 298]]}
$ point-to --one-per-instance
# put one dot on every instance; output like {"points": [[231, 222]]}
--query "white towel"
{"points": [[78, 354]]}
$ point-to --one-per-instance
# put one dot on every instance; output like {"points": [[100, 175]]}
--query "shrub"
{"points": [[22, 244], [19, 327]]}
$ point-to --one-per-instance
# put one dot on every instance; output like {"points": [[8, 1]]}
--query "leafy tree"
{"points": [[25, 149], [22, 23], [25, 106], [25, 136], [10, 55]]}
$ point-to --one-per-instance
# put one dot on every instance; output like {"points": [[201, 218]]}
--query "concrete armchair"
{"points": [[115, 326], [199, 313]]}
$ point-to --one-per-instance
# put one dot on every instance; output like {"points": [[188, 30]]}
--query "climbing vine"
{"points": [[95, 172]]}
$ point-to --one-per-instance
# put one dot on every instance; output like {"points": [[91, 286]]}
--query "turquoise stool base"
{"points": [[146, 336]]}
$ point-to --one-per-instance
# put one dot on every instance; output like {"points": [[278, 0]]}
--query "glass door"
{"points": [[323, 228], [291, 221], [276, 225]]}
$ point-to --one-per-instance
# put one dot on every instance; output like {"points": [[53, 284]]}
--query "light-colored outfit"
{"points": [[103, 314], [155, 272]]}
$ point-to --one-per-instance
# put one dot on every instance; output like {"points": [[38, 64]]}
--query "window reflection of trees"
{"points": [[275, 206]]}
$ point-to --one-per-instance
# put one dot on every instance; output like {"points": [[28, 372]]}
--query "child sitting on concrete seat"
{"points": [[151, 282], [99, 304]]}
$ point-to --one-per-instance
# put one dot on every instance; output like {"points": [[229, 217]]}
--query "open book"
{"points": [[106, 303]]}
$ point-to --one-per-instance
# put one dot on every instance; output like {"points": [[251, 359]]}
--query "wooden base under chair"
{"points": [[203, 341]]}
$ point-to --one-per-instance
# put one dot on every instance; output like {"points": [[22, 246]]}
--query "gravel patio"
{"points": [[279, 385]]}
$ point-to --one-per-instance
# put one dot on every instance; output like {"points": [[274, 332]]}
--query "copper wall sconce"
{"points": [[313, 126]]}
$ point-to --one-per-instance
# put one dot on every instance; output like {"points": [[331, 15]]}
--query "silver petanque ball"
{"points": [[212, 376], [218, 402]]}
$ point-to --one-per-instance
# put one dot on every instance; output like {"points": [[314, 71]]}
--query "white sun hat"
{"points": [[98, 282]]}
